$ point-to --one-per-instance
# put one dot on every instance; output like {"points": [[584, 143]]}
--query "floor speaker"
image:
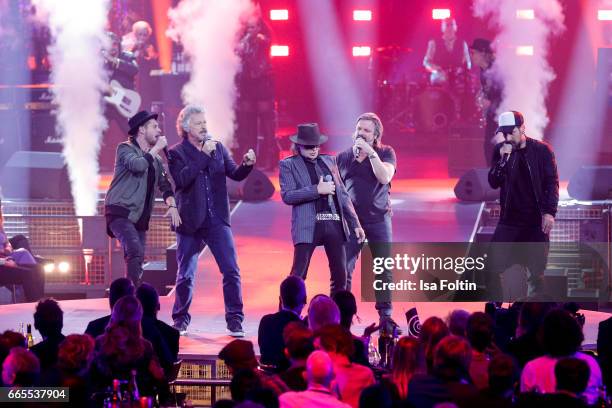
{"points": [[474, 186], [256, 187], [35, 175]]}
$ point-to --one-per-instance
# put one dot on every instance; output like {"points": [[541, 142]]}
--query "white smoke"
{"points": [[78, 75], [525, 78], [208, 30]]}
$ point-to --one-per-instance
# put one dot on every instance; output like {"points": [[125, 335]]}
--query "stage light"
{"points": [[63, 267], [279, 51], [49, 267], [604, 15], [362, 51], [440, 14], [524, 50], [279, 14], [362, 15], [525, 14]]}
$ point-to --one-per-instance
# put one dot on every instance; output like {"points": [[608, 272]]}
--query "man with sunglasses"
{"points": [[322, 211]]}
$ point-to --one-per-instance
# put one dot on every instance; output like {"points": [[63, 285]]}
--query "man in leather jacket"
{"points": [[526, 172]]}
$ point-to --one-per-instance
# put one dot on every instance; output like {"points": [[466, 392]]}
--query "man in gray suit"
{"points": [[322, 210]]}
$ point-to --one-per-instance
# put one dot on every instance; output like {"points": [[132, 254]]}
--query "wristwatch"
{"points": [[373, 155]]}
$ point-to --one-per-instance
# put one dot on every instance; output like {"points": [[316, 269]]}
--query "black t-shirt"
{"points": [[522, 206], [323, 202], [370, 198]]}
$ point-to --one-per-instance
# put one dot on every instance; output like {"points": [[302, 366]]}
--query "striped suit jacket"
{"points": [[298, 191]]}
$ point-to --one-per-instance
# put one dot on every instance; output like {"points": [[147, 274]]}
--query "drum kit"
{"points": [[417, 100]]}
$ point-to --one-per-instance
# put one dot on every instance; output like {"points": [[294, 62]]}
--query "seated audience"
{"points": [[10, 256], [8, 340], [503, 375], [457, 322], [525, 346], [319, 376], [73, 360], [351, 378], [572, 377], [270, 333], [561, 336], [322, 311], [149, 299], [49, 321], [239, 354], [449, 380], [298, 346], [122, 349], [348, 309], [119, 288], [604, 351], [404, 365], [432, 331], [379, 396], [480, 336], [20, 368]]}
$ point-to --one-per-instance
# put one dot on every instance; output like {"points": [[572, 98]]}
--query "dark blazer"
{"points": [[270, 338], [170, 335], [604, 350], [544, 177], [47, 350], [150, 332], [187, 166], [297, 190]]}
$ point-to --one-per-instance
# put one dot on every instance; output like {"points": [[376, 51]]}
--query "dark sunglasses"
{"points": [[311, 147]]}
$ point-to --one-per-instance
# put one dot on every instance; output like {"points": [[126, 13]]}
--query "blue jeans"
{"points": [[133, 243], [218, 236], [380, 236]]}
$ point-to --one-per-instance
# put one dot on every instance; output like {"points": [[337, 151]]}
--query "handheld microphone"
{"points": [[213, 154], [330, 199], [357, 150], [506, 155]]}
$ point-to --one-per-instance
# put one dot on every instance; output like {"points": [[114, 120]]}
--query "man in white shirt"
{"points": [[319, 375]]}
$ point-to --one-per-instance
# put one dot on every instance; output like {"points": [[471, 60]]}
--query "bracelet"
{"points": [[373, 155]]}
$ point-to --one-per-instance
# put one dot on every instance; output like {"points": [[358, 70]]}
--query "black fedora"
{"points": [[138, 120], [308, 135], [482, 45]]}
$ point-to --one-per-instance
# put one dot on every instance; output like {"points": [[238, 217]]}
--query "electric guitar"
{"points": [[126, 101]]}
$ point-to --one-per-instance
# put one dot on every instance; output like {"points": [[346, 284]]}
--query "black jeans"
{"points": [[531, 251], [133, 243], [331, 236], [379, 235]]}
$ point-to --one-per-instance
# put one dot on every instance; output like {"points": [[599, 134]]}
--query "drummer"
{"points": [[446, 55]]}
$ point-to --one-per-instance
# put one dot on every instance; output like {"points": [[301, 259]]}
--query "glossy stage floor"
{"points": [[424, 210]]}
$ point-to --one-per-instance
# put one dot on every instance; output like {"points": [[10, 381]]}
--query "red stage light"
{"points": [[362, 51], [279, 51], [362, 15], [440, 14], [525, 50], [604, 15], [279, 14]]}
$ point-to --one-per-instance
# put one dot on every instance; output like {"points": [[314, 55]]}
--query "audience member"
{"points": [[348, 309], [49, 321], [14, 257], [149, 299], [503, 375], [449, 378], [561, 336], [432, 331], [8, 340], [20, 368], [572, 377], [404, 365], [480, 336], [377, 395], [270, 333], [351, 378], [298, 346], [119, 288], [243, 381], [122, 349], [319, 375], [322, 311], [73, 361], [525, 346], [457, 322], [239, 354], [604, 351]]}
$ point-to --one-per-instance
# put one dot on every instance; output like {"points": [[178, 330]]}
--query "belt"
{"points": [[327, 217]]}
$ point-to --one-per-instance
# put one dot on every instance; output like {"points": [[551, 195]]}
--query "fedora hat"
{"points": [[138, 120], [308, 135]]}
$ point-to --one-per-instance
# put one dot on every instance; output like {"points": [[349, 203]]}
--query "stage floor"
{"points": [[424, 210]]}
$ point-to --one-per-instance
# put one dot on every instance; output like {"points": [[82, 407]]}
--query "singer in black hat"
{"points": [[129, 201], [322, 212], [526, 172]]}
